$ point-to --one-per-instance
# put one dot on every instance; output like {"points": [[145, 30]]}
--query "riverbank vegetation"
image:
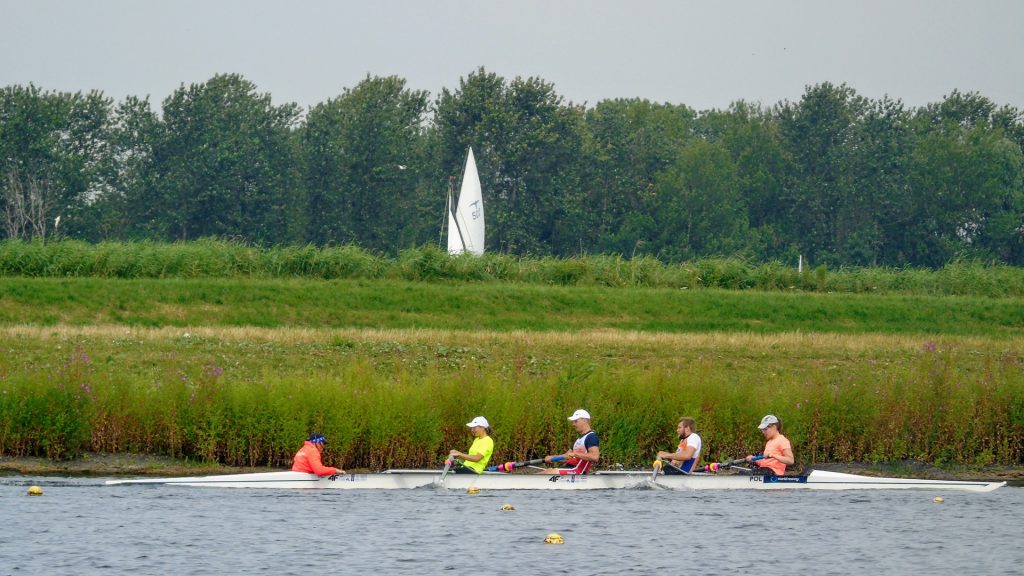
{"points": [[212, 258], [247, 396], [221, 353]]}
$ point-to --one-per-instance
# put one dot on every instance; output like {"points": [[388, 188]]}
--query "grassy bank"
{"points": [[217, 259], [400, 304], [246, 397], [220, 353]]}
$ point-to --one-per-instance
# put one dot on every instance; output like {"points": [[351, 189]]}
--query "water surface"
{"points": [[80, 526]]}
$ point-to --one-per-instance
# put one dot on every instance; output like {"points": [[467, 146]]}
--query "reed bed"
{"points": [[247, 397], [211, 258]]}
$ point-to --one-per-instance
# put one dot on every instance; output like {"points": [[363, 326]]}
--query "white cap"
{"points": [[479, 421], [768, 421], [581, 413]]}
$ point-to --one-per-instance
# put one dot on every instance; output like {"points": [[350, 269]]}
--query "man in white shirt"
{"points": [[683, 460]]}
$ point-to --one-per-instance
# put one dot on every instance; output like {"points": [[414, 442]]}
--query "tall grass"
{"points": [[401, 404], [210, 258]]}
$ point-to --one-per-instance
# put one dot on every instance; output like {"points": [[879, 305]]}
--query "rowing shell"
{"points": [[406, 479]]}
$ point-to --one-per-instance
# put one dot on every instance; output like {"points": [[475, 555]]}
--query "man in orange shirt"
{"points": [[307, 459], [778, 452]]}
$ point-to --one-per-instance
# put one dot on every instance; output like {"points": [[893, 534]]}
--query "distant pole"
{"points": [[800, 264]]}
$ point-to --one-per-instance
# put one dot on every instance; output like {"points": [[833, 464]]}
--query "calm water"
{"points": [[80, 526]]}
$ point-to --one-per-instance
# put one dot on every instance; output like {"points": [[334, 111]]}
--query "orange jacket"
{"points": [[307, 459]]}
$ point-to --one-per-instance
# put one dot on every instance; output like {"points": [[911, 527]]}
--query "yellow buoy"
{"points": [[35, 491], [554, 538], [938, 499], [507, 508], [472, 490]]}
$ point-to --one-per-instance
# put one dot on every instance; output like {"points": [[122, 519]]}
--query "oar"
{"points": [[657, 468], [447, 466], [660, 465], [510, 466], [716, 466]]}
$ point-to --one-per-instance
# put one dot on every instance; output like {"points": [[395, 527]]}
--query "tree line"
{"points": [[836, 177]]}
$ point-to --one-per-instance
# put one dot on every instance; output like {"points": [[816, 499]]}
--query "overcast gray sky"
{"points": [[705, 54]]}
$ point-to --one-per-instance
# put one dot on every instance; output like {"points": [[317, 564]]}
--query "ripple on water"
{"points": [[81, 525]]}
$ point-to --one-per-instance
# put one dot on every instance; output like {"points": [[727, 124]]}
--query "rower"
{"points": [[778, 452], [585, 451], [307, 459], [687, 454], [479, 452]]}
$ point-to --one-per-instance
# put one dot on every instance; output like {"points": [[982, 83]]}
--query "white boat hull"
{"points": [[407, 479]]}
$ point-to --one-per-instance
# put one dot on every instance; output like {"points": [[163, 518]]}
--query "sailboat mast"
{"points": [[455, 219], [447, 211]]}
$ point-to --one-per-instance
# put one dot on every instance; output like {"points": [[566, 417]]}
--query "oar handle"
{"points": [[510, 466], [447, 467], [716, 466]]}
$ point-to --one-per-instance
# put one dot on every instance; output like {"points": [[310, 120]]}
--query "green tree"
{"points": [[122, 208], [52, 157], [629, 143], [966, 181], [527, 143], [698, 207], [751, 135], [224, 164], [821, 196], [366, 167], [874, 217]]}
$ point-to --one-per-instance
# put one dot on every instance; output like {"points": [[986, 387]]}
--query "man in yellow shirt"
{"points": [[479, 453]]}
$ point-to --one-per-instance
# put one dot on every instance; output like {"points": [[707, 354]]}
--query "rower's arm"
{"points": [[593, 454], [464, 456], [678, 456], [318, 466], [786, 457]]}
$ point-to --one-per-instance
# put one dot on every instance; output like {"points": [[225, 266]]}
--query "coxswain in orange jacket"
{"points": [[307, 459]]}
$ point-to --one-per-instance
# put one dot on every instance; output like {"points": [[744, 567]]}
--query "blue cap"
{"points": [[317, 438]]}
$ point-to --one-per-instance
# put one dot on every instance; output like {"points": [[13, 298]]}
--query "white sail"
{"points": [[466, 216]]}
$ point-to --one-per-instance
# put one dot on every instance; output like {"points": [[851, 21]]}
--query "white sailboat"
{"points": [[466, 214]]}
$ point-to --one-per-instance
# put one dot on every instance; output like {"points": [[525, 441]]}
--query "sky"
{"points": [[705, 54]]}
